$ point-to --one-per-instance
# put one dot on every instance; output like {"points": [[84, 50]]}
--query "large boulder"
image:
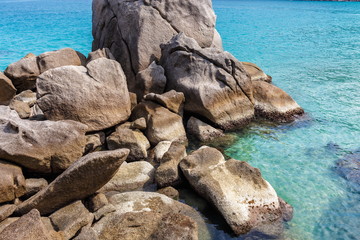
{"points": [[235, 188], [134, 30], [255, 72], [154, 215], [273, 103], [172, 100], [202, 131], [96, 95], [215, 84], [7, 90], [162, 124], [41, 146], [79, 181], [12, 182]]}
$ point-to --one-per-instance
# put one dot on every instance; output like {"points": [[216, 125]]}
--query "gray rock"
{"points": [[273, 103], [86, 233], [235, 188], [256, 73], [103, 211], [7, 90], [100, 53], [167, 174], [6, 211], [7, 222], [172, 100], [71, 219], [151, 80], [133, 176], [36, 113], [21, 108], [79, 181], [96, 95], [59, 58], [34, 185], [155, 215], [94, 141], [217, 41], [202, 131], [29, 227], [215, 84], [162, 124], [24, 72], [12, 182], [134, 30], [41, 146]]}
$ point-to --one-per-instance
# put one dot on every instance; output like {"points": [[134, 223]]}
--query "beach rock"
{"points": [[172, 100], [100, 53], [151, 80], [273, 103], [12, 182], [23, 73], [96, 95], [94, 141], [41, 146], [160, 149], [139, 124], [169, 192], [7, 222], [202, 131], [34, 185], [255, 72], [29, 227], [80, 180], [96, 201], [215, 84], [28, 97], [59, 58], [349, 168], [134, 30], [217, 41], [36, 113], [109, 208], [6, 211], [236, 189], [71, 219], [131, 139], [21, 108], [155, 215], [162, 124], [7, 90], [86, 233], [167, 174], [135, 176]]}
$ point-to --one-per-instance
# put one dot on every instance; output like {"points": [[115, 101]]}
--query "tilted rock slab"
{"points": [[79, 181], [215, 84], [41, 146], [238, 191], [96, 95], [134, 30]]}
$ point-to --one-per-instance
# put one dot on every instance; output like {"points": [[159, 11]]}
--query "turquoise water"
{"points": [[312, 51]]}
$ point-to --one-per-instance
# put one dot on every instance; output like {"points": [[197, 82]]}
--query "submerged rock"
{"points": [[7, 90], [41, 146], [237, 190], [96, 95], [79, 181], [349, 168]]}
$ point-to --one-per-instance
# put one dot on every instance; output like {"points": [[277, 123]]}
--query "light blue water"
{"points": [[312, 51]]}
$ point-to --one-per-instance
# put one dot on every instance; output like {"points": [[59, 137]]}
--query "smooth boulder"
{"points": [[79, 181], [40, 146], [255, 72], [96, 95]]}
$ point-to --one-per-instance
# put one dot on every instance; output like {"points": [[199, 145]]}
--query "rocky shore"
{"points": [[96, 147]]}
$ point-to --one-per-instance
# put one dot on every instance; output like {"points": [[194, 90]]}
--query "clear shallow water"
{"points": [[312, 51]]}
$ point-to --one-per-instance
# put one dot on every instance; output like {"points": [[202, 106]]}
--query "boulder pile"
{"points": [[96, 147]]}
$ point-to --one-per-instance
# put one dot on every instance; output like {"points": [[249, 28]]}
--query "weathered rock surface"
{"points": [[6, 211], [94, 141], [21, 108], [151, 80], [135, 176], [34, 185], [172, 100], [80, 180], [202, 131], [160, 149], [100, 53], [134, 30], [7, 90], [7, 222], [24, 72], [12, 182], [27, 96], [59, 58], [71, 219], [167, 174], [96, 201], [131, 139], [273, 103], [155, 215], [255, 72], [41, 146], [162, 124], [238, 191], [96, 95], [215, 84], [169, 192], [86, 233], [29, 227]]}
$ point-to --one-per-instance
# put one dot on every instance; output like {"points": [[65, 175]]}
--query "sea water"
{"points": [[312, 51]]}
